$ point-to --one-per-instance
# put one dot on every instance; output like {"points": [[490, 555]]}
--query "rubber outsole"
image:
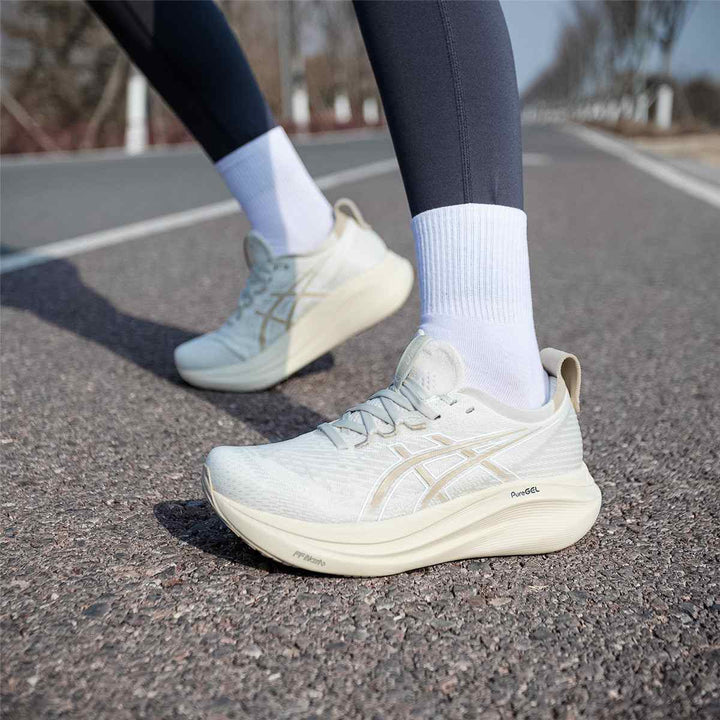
{"points": [[507, 519], [355, 306]]}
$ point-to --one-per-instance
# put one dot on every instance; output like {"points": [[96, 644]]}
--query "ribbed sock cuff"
{"points": [[473, 263]]}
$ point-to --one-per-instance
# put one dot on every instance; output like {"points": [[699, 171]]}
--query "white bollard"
{"points": [[642, 107], [136, 129], [343, 113], [613, 110], [663, 107], [371, 113], [626, 107], [300, 109]]}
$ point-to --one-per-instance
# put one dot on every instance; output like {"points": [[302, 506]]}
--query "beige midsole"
{"points": [[495, 521], [352, 308]]}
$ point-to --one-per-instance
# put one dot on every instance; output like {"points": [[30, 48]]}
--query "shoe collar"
{"points": [[439, 370]]}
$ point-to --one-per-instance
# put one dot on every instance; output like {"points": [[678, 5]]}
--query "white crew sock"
{"points": [[475, 294], [275, 190]]}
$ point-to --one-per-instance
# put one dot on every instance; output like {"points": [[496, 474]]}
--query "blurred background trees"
{"points": [[60, 68], [600, 66], [64, 79]]}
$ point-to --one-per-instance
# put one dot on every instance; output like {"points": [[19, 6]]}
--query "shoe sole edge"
{"points": [[487, 523]]}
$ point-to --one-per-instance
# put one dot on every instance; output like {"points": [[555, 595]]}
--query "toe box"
{"points": [[206, 352], [241, 474]]}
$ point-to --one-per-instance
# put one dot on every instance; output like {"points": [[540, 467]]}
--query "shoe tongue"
{"points": [[257, 251], [434, 365]]}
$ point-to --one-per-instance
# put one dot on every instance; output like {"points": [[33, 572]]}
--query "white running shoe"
{"points": [[424, 472], [296, 308]]}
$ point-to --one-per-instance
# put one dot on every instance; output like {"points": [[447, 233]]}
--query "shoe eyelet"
{"points": [[469, 410]]}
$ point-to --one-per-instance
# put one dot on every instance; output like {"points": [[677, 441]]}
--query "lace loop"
{"points": [[387, 406], [257, 282]]}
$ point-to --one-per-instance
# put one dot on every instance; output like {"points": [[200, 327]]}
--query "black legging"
{"points": [[444, 68]]}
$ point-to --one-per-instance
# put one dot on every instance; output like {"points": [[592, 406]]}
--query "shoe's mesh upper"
{"points": [[309, 478], [204, 352], [562, 453], [473, 480]]}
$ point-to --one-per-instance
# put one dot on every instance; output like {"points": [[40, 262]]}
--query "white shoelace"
{"points": [[386, 406]]}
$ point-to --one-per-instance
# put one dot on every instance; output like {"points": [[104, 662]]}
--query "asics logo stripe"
{"points": [[296, 292], [467, 449], [475, 459], [425, 476]]}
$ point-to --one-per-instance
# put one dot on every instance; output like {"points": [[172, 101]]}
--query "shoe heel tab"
{"points": [[566, 367], [345, 206]]}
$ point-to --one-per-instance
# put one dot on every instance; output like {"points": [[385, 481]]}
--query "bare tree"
{"points": [[111, 92], [56, 62], [25, 120], [67, 75], [575, 68], [668, 19], [603, 50], [346, 54]]}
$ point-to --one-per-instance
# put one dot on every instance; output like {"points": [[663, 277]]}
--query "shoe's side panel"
{"points": [[356, 251], [355, 306], [553, 450]]}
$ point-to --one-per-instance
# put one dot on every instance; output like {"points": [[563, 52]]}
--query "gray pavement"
{"points": [[51, 201], [123, 595]]}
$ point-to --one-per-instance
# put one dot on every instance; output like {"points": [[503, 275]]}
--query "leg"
{"points": [[430, 469], [191, 56], [447, 80], [308, 265]]}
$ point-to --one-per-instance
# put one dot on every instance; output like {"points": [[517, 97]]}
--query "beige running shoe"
{"points": [[424, 472], [294, 309]]}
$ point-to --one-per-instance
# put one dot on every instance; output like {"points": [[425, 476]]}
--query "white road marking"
{"points": [[165, 223], [144, 228], [692, 186], [531, 159], [362, 172]]}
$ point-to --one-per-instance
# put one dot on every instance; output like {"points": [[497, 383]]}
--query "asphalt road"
{"points": [[47, 202], [124, 596]]}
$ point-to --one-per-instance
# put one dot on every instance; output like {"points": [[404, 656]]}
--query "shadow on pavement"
{"points": [[195, 522], [56, 293]]}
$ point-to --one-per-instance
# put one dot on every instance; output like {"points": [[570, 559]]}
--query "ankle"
{"points": [[282, 202], [502, 361], [475, 294]]}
